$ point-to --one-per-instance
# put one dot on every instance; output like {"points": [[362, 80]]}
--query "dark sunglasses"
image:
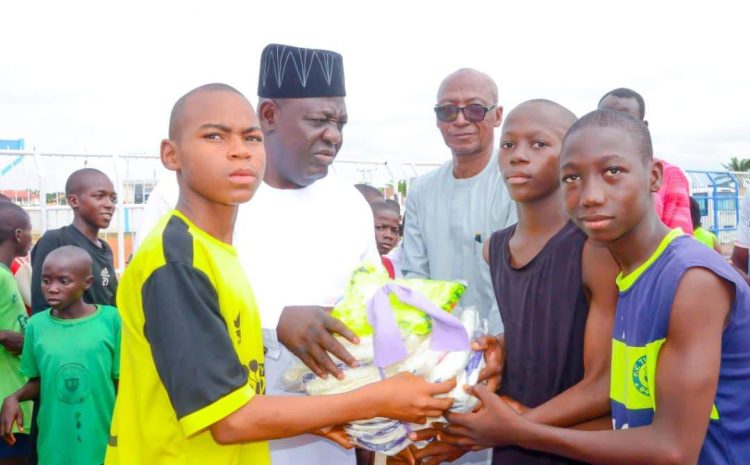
{"points": [[473, 113]]}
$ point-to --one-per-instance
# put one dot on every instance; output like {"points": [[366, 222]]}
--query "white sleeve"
{"points": [[414, 260], [743, 226], [162, 200]]}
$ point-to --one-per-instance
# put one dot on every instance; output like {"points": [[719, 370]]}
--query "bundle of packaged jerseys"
{"points": [[404, 325]]}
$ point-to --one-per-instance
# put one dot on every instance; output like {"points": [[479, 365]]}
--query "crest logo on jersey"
{"points": [[640, 376]]}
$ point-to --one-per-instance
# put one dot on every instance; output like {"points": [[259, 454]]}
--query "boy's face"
{"points": [[219, 152], [95, 201], [530, 151], [63, 283], [465, 137], [387, 230], [607, 184]]}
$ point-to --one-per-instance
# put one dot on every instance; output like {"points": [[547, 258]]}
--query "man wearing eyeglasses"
{"points": [[451, 211]]}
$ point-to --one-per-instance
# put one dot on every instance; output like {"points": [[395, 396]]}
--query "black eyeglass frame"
{"points": [[437, 108]]}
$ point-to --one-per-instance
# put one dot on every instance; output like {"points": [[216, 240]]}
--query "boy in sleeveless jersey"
{"points": [[681, 338], [555, 290]]}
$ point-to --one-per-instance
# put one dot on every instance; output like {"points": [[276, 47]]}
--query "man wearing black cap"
{"points": [[304, 232]]}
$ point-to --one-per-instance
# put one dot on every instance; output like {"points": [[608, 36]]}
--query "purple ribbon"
{"points": [[448, 334]]}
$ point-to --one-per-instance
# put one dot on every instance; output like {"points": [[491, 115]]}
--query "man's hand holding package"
{"points": [[307, 331]]}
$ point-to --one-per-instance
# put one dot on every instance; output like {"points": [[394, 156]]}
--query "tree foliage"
{"points": [[737, 164]]}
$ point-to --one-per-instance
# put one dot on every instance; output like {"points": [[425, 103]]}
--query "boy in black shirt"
{"points": [[92, 197]]}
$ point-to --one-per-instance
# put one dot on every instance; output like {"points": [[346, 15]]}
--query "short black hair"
{"points": [[371, 194], [636, 129], [12, 218], [4, 198], [624, 92], [78, 178], [695, 212], [178, 110], [390, 205]]}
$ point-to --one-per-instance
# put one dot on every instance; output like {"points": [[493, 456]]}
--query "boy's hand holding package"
{"points": [[493, 348]]}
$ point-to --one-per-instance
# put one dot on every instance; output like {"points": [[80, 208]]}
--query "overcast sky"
{"points": [[86, 77]]}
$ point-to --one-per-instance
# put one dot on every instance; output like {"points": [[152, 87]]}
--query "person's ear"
{"points": [[498, 115], [88, 282], [73, 201], [645, 122], [657, 173], [268, 114], [168, 153]]}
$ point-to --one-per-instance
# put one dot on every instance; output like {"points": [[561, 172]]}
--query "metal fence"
{"points": [[719, 194], [36, 180]]}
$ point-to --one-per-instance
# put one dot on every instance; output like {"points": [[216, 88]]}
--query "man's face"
{"points": [[219, 151], [95, 201], [606, 184], [621, 104], [309, 132], [463, 136], [530, 151], [63, 283]]}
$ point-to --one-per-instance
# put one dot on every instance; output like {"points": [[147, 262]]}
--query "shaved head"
{"points": [[81, 179], [12, 218], [179, 108], [469, 74], [634, 128], [625, 93], [560, 116], [72, 257]]}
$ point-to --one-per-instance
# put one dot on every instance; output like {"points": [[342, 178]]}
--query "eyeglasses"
{"points": [[473, 113]]}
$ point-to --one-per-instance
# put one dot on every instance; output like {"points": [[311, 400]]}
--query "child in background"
{"points": [[15, 240], [701, 235], [92, 197], [387, 231], [21, 269], [71, 355]]}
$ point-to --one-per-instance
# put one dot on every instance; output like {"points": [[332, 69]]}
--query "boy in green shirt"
{"points": [[71, 354], [15, 240]]}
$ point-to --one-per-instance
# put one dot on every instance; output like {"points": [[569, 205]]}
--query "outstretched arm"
{"points": [[679, 427], [415, 262], [402, 397]]}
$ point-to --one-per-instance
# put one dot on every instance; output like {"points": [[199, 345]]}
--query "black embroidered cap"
{"points": [[294, 72]]}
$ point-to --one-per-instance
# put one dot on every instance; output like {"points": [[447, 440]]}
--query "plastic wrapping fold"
{"points": [[414, 315]]}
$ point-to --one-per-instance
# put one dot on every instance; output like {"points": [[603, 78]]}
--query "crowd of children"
{"points": [[606, 311]]}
